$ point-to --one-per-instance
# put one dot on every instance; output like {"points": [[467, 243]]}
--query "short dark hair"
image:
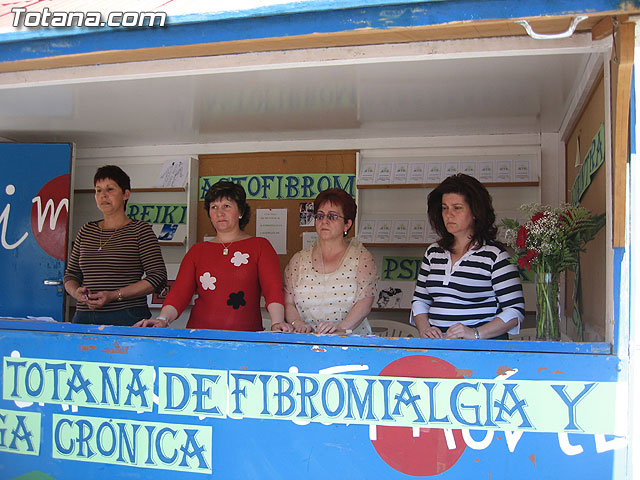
{"points": [[339, 197], [232, 191], [116, 174], [479, 201]]}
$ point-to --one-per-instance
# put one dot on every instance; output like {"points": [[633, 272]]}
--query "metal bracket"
{"points": [[552, 36]]}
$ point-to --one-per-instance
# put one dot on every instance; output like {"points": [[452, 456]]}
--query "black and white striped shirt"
{"points": [[128, 253], [482, 285]]}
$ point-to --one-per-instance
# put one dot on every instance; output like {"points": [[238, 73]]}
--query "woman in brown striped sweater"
{"points": [[114, 262]]}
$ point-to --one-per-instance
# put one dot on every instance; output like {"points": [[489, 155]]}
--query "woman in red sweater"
{"points": [[229, 273]]}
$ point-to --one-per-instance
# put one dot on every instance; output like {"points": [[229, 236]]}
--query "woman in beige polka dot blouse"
{"points": [[329, 287]]}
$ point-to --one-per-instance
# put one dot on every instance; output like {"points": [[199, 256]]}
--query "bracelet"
{"points": [[163, 318], [476, 333], [120, 295], [348, 331]]}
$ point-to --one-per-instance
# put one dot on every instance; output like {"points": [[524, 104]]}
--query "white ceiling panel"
{"points": [[429, 96]]}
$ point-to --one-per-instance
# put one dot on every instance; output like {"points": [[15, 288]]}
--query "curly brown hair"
{"points": [[479, 201]]}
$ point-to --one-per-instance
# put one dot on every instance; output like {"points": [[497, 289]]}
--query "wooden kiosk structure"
{"points": [[388, 82]]}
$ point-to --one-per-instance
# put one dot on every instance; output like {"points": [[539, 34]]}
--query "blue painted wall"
{"points": [[280, 448]]}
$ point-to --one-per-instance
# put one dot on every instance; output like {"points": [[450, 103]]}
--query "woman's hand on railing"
{"points": [[300, 326], [431, 332], [281, 327], [159, 322]]}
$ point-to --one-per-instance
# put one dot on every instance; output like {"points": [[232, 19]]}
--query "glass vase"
{"points": [[548, 306]]}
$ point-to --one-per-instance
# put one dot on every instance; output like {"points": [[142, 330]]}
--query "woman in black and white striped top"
{"points": [[466, 288], [110, 257]]}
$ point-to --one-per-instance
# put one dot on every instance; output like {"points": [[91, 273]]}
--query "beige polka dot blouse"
{"points": [[322, 297]]}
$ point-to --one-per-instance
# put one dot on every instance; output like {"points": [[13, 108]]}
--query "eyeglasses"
{"points": [[332, 217]]}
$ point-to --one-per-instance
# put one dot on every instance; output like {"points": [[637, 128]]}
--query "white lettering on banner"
{"points": [[512, 438], [53, 219], [604, 445], [4, 220], [566, 446], [477, 444]]}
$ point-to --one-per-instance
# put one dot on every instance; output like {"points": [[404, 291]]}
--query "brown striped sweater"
{"points": [[128, 254]]}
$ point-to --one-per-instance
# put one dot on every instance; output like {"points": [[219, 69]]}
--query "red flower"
{"points": [[525, 262], [522, 237], [537, 217]]}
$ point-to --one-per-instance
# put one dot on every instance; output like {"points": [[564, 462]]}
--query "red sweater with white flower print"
{"points": [[228, 286]]}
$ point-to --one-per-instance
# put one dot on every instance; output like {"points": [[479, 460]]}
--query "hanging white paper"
{"points": [[417, 231], [400, 171], [400, 231], [522, 170], [451, 168], [383, 173], [367, 231], [383, 231], [504, 170], [416, 172], [367, 173], [174, 173], [271, 223], [308, 238], [485, 171], [469, 168], [434, 172]]}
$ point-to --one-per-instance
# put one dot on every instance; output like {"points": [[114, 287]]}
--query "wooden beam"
{"points": [[365, 36], [602, 29], [625, 39]]}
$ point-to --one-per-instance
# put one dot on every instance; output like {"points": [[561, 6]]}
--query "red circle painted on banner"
{"points": [[49, 216], [428, 453]]}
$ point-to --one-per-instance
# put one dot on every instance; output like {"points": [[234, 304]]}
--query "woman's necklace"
{"points": [[102, 245], [105, 243], [225, 246], [225, 249], [334, 259]]}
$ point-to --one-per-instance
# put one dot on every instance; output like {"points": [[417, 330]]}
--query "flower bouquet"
{"points": [[549, 243]]}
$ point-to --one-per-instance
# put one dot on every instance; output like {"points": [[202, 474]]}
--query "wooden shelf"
{"points": [[171, 244], [134, 190], [417, 245], [433, 185]]}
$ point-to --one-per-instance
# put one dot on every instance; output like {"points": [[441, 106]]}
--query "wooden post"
{"points": [[622, 73]]}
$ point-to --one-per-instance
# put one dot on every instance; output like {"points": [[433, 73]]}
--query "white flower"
{"points": [[207, 281], [240, 259]]}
